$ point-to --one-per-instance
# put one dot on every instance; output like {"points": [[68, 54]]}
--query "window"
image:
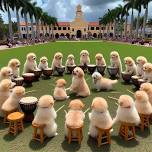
{"points": [[59, 28], [68, 28], [97, 28], [46, 28], [92, 28], [42, 28], [50, 28], [22, 29], [73, 29], [64, 28], [112, 28], [55, 28], [84, 29], [88, 28]]}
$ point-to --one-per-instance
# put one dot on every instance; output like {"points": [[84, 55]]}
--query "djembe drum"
{"points": [[101, 69], [135, 81], [19, 81], [28, 78], [60, 70], [83, 67], [126, 77], [28, 106], [113, 71], [70, 68], [47, 72], [141, 81], [37, 74], [91, 68]]}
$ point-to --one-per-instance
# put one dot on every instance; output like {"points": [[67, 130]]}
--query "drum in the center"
{"points": [[28, 78], [28, 106], [91, 68]]}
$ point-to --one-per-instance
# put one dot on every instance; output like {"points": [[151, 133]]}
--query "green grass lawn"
{"points": [[23, 141]]}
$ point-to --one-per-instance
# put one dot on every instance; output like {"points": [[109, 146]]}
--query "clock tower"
{"points": [[79, 13]]}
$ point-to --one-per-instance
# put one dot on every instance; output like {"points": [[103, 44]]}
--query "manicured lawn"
{"points": [[23, 141]]}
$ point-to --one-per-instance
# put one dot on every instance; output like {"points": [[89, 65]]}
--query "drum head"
{"points": [[28, 74], [134, 77], [28, 100], [19, 79]]}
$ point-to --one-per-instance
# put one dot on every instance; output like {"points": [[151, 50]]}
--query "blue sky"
{"points": [[64, 10]]}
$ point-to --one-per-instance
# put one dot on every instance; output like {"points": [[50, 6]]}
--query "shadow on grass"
{"points": [[123, 143], [9, 137], [143, 134], [125, 83], [73, 147], [36, 145], [92, 143]]}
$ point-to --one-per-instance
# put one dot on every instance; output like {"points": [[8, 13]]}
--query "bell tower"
{"points": [[79, 13]]}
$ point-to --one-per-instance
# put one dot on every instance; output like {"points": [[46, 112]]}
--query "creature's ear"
{"points": [[4, 74], [81, 74]]}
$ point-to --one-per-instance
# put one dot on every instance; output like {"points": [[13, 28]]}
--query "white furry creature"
{"points": [[99, 116], [147, 68], [43, 63], [70, 60], [12, 102], [142, 103], [75, 116], [140, 61], [131, 67], [6, 73], [59, 91], [147, 87], [30, 64], [84, 57], [116, 61], [101, 83], [79, 84], [126, 111], [100, 61], [57, 60], [14, 64], [46, 115], [5, 87]]}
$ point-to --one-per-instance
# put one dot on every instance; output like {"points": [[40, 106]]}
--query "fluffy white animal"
{"points": [[6, 73], [147, 87], [14, 64], [101, 83], [79, 84], [131, 67], [75, 116], [60, 91], [43, 63], [127, 111], [57, 60], [142, 103], [5, 86], [70, 60], [140, 61], [46, 115], [84, 57], [116, 61], [100, 61], [147, 68], [99, 116], [12, 102], [30, 64]]}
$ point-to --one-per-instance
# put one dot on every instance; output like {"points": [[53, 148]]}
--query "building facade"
{"points": [[79, 28]]}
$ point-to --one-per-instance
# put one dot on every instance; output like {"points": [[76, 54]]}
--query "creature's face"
{"points": [[147, 67], [84, 54], [31, 57], [141, 96], [19, 91], [14, 64], [6, 72], [78, 72], [141, 60], [125, 101], [58, 56], [96, 76], [114, 55], [128, 61], [146, 87], [44, 61], [70, 58], [99, 57], [76, 105], [60, 83]]}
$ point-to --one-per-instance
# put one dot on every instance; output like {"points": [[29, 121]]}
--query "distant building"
{"points": [[78, 28]]}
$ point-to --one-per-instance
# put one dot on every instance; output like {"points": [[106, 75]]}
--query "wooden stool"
{"points": [[78, 134], [36, 136], [15, 122], [144, 121], [125, 129], [103, 134], [6, 113]]}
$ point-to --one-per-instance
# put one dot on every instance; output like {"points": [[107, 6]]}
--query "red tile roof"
{"points": [[64, 23], [93, 24]]}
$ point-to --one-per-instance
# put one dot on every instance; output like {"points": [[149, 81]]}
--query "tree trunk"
{"points": [[144, 22], [10, 25], [32, 30], [126, 24], [132, 20], [18, 24], [37, 29], [100, 31], [114, 32], [26, 22], [52, 31], [137, 24]]}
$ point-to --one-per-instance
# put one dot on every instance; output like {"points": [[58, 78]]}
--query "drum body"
{"points": [[28, 106], [47, 72], [70, 68], [135, 81], [113, 71], [28, 78], [126, 77], [141, 81], [19, 81], [37, 74], [60, 70], [101, 69], [91, 68]]}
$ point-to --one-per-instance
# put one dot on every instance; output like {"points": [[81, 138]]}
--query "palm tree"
{"points": [[130, 4], [145, 4], [53, 23], [45, 21]]}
